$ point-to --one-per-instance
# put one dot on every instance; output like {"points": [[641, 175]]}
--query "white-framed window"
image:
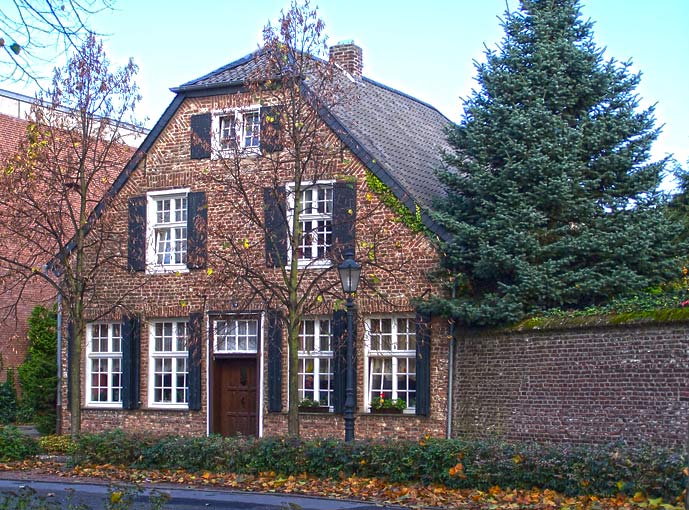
{"points": [[315, 221], [391, 359], [168, 372], [166, 231], [236, 335], [316, 360], [237, 129], [104, 364]]}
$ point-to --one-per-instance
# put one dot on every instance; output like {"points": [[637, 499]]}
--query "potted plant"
{"points": [[313, 406], [382, 405]]}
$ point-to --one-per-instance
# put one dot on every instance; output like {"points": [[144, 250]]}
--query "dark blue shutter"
{"points": [[195, 334], [344, 216], [136, 245], [423, 364], [339, 348], [274, 202], [197, 230], [201, 136], [274, 361], [131, 360], [271, 125]]}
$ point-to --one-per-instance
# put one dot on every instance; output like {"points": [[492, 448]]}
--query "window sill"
{"points": [[314, 264], [168, 407], [103, 405], [244, 152], [156, 269]]}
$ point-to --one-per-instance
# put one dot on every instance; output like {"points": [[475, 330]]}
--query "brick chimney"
{"points": [[348, 56]]}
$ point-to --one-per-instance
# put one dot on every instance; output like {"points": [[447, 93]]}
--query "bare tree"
{"points": [[280, 192], [34, 32], [48, 191]]}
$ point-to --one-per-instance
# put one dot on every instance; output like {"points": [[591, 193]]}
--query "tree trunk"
{"points": [[293, 379], [74, 346]]}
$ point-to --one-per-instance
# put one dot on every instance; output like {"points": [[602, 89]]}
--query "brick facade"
{"points": [[404, 256], [590, 385]]}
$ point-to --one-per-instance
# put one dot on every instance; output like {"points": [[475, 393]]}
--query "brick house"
{"points": [[189, 352], [15, 310]]}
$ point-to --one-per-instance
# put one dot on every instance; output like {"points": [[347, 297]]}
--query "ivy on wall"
{"points": [[411, 219]]}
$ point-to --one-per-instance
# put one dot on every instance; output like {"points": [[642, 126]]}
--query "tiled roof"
{"points": [[397, 136], [12, 131], [234, 73], [405, 136]]}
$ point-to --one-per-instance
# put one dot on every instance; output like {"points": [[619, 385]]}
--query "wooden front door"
{"points": [[235, 397]]}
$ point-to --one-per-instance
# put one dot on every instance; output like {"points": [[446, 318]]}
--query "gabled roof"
{"points": [[399, 138]]}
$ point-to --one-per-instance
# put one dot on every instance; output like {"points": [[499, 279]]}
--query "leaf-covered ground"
{"points": [[368, 489]]}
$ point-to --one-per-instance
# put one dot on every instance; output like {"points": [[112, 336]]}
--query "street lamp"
{"points": [[350, 272]]}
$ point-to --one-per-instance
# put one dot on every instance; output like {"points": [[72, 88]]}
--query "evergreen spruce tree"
{"points": [[552, 198], [678, 209]]}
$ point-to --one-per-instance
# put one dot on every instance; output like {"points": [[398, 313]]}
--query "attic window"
{"points": [[238, 129]]}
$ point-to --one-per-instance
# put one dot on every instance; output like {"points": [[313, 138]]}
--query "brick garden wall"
{"points": [[581, 385]]}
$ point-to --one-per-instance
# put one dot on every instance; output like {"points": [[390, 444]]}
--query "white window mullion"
{"points": [[390, 352], [317, 383], [166, 231], [104, 365], [168, 380]]}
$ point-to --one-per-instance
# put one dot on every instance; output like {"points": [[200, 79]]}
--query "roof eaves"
{"points": [[190, 84], [207, 86]]}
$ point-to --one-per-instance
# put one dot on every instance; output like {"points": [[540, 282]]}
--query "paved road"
{"points": [[94, 496]]}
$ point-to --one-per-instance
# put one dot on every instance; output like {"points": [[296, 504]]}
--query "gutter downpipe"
{"points": [[58, 399], [451, 368]]}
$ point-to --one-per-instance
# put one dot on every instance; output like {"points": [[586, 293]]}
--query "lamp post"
{"points": [[350, 271]]}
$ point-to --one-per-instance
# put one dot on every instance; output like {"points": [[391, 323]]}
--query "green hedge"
{"points": [[16, 446], [572, 470]]}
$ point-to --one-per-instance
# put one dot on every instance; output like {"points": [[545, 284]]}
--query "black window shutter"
{"points": [[201, 136], [271, 125], [131, 360], [197, 230], [344, 216], [423, 364], [274, 202], [339, 347], [136, 244], [194, 345], [70, 358], [274, 361]]}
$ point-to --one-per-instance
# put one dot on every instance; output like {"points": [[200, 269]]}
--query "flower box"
{"points": [[320, 409], [386, 410]]}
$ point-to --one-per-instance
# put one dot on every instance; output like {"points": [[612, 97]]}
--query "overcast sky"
{"points": [[424, 48]]}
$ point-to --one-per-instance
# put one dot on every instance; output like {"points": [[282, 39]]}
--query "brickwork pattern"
{"points": [[579, 386], [404, 258]]}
